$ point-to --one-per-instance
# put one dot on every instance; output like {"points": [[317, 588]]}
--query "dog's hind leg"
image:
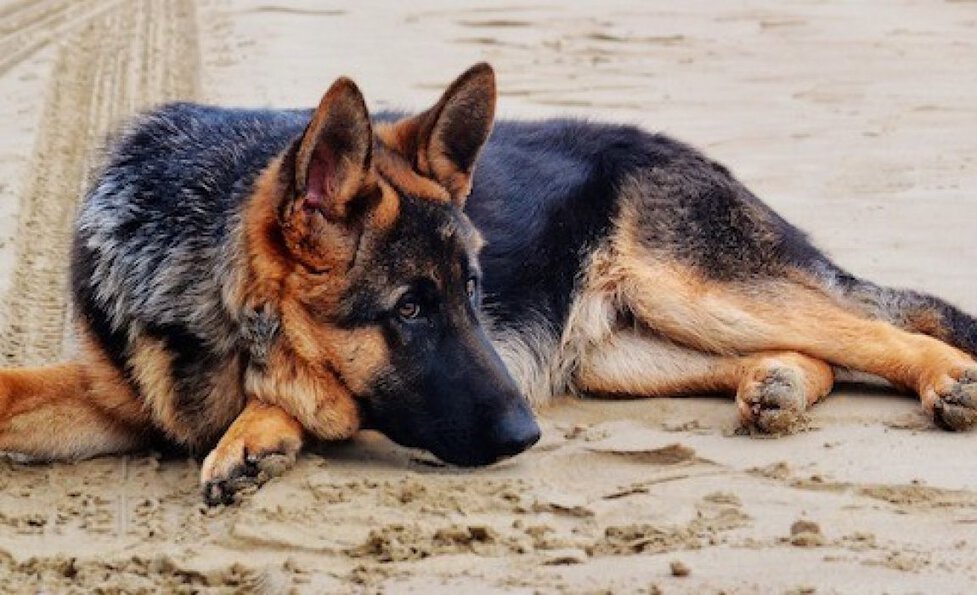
{"points": [[795, 313], [772, 389], [263, 441], [73, 410]]}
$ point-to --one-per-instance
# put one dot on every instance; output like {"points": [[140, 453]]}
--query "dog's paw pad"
{"points": [[774, 403], [227, 491], [955, 406], [230, 470]]}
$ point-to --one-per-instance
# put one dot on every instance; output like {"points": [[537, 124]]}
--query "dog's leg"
{"points": [[68, 411], [628, 363], [795, 314], [262, 442], [772, 389]]}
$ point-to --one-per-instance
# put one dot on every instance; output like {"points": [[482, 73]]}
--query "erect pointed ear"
{"points": [[332, 161], [448, 137]]}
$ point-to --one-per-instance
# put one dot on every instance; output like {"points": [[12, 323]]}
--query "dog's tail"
{"points": [[65, 411], [911, 310]]}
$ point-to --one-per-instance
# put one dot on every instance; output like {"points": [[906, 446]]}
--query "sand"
{"points": [[856, 120]]}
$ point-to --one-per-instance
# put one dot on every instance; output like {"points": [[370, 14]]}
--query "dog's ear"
{"points": [[328, 180], [444, 141], [332, 160]]}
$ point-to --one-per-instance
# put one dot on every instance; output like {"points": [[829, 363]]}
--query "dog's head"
{"points": [[374, 267]]}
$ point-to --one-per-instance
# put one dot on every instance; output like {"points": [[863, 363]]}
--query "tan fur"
{"points": [[634, 362], [317, 399], [267, 258], [387, 211], [259, 431], [728, 319], [773, 315], [398, 172], [72, 410], [631, 363], [151, 370], [403, 141], [316, 242]]}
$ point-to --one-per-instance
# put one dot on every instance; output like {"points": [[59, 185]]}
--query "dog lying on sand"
{"points": [[246, 279]]}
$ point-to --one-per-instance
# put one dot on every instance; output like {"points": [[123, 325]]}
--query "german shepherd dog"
{"points": [[246, 279]]}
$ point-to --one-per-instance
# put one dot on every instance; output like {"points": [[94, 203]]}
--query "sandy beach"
{"points": [[856, 121]]}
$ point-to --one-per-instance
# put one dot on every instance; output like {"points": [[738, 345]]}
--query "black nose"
{"points": [[516, 431]]}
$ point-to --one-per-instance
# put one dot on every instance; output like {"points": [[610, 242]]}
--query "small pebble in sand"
{"points": [[806, 534], [576, 431], [680, 568], [565, 556]]}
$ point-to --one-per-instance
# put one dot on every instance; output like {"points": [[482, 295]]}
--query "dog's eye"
{"points": [[408, 309], [470, 286]]}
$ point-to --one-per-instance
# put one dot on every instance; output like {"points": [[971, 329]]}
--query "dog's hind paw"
{"points": [[236, 466], [954, 405], [773, 403]]}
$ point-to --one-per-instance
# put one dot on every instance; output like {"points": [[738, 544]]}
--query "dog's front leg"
{"points": [[261, 443], [288, 399]]}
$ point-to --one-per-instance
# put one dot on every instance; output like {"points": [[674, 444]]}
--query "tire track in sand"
{"points": [[124, 58], [29, 25]]}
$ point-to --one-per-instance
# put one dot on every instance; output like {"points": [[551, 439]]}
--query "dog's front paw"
{"points": [[954, 403], [237, 464], [773, 402]]}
